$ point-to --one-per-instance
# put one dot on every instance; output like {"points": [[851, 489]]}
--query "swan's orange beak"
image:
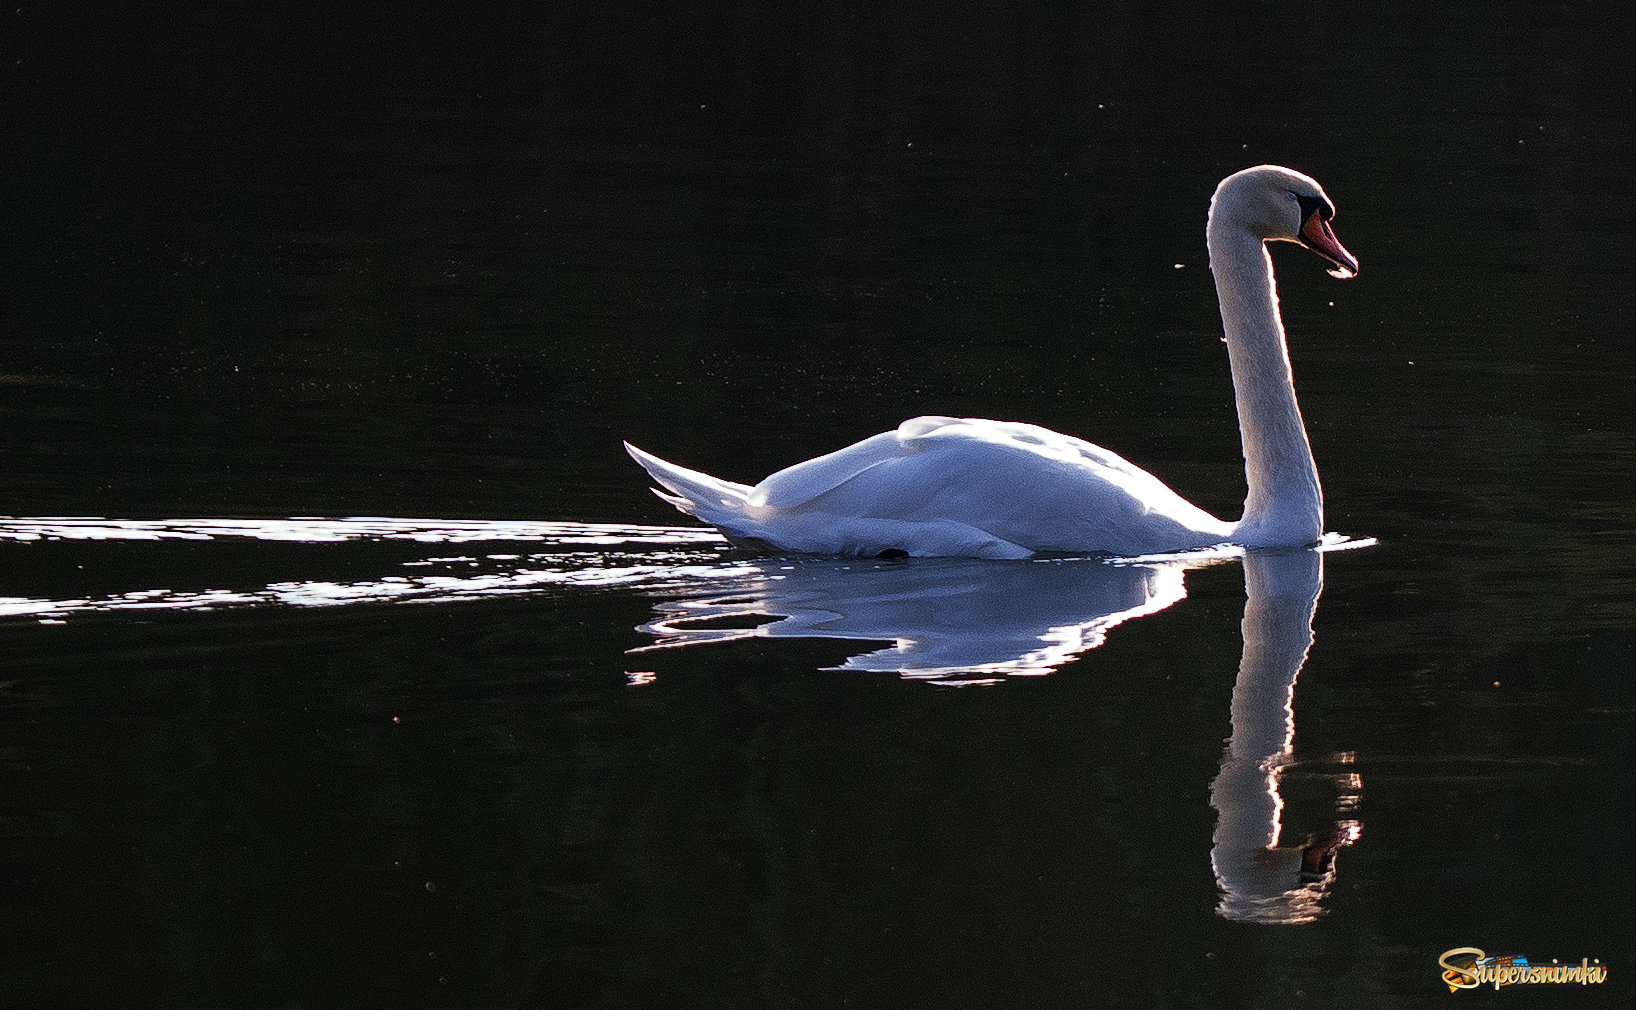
{"points": [[1320, 238]]}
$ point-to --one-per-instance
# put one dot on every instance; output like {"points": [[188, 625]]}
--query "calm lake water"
{"points": [[527, 739]]}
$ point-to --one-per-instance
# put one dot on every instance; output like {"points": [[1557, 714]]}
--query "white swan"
{"points": [[941, 486]]}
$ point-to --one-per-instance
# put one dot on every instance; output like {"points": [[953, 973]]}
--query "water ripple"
{"points": [[552, 554], [318, 530]]}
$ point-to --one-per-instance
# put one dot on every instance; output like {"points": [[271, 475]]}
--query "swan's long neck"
{"points": [[1285, 504]]}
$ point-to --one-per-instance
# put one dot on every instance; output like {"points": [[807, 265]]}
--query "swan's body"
{"points": [[940, 486]]}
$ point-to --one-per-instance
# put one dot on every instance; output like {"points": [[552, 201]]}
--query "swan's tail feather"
{"points": [[718, 502]]}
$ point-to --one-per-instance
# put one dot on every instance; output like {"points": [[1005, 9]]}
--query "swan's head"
{"points": [[1281, 205]]}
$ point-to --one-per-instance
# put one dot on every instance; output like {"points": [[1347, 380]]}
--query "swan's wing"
{"points": [[795, 486], [1024, 484], [925, 432], [947, 437], [1027, 452]]}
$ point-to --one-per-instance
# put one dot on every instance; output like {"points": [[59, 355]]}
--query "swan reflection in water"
{"points": [[962, 622], [954, 621]]}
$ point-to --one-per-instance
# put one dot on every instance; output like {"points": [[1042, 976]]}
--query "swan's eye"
{"points": [[1314, 204]]}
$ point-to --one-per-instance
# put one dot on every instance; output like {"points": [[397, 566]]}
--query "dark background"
{"points": [[438, 263], [365, 260]]}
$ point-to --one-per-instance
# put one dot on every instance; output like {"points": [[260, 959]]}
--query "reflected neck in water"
{"points": [[1260, 881]]}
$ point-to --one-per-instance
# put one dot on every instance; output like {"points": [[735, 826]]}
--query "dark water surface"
{"points": [[527, 742]]}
